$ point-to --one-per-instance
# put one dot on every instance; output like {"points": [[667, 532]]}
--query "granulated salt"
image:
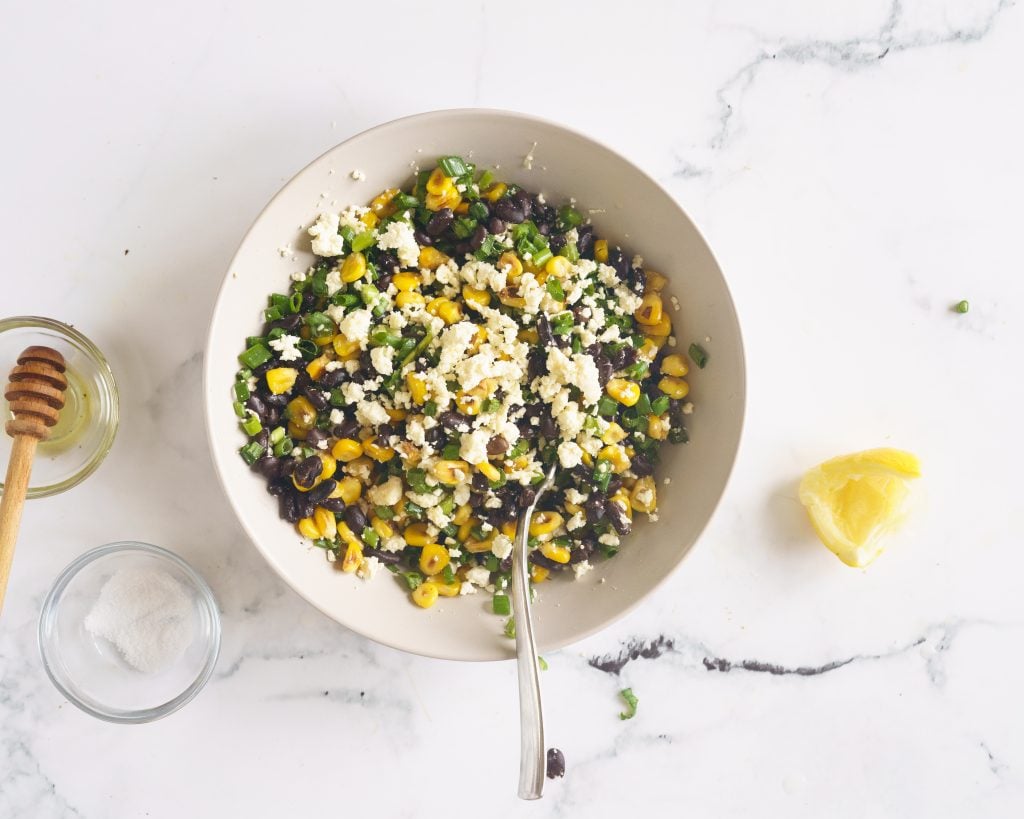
{"points": [[147, 615]]}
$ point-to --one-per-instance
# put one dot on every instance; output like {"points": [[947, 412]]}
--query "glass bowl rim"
{"points": [[47, 618], [106, 376]]}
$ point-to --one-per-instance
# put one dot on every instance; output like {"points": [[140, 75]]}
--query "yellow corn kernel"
{"points": [[622, 499], [657, 427], [445, 589], [396, 414], [613, 434], [616, 456], [655, 282], [544, 523], [572, 508], [674, 387], [325, 522], [354, 267], [451, 473], [469, 404], [650, 310], [370, 219], [625, 392], [328, 466], [382, 203], [509, 260], [538, 574], [316, 367], [480, 546], [462, 514], [348, 537], [648, 351], [301, 412], [348, 489], [601, 250], [297, 432], [489, 470], [450, 312], [307, 528], [558, 266], [415, 534], [661, 329], [495, 192], [474, 296], [644, 495], [529, 335], [435, 304], [431, 258], [382, 527], [508, 528], [466, 529], [417, 387], [437, 182], [424, 595], [552, 551], [344, 348], [281, 379], [407, 297], [347, 449], [674, 365], [588, 459], [509, 296], [377, 451], [462, 208], [353, 558], [433, 558], [479, 337], [406, 281]]}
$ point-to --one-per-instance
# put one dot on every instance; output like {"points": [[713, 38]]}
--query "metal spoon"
{"points": [[531, 720]]}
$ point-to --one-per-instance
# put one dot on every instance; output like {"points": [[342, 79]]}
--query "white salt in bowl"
{"points": [[92, 672]]}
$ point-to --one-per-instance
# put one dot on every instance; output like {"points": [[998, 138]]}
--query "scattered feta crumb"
{"points": [[581, 568], [358, 175], [688, 408]]}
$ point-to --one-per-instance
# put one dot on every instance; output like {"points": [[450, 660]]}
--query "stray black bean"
{"points": [[556, 764]]}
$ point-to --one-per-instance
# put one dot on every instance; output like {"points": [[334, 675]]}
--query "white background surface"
{"points": [[857, 169]]}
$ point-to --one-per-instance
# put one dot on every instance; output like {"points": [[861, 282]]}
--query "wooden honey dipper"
{"points": [[36, 396]]}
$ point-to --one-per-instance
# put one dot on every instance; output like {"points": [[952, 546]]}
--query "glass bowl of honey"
{"points": [[85, 432]]}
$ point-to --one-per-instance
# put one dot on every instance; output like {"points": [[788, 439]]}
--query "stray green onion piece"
{"points": [[699, 355], [542, 663], [631, 702], [510, 628], [962, 306], [453, 165], [502, 605]]}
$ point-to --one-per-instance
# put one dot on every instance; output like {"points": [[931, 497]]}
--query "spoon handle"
{"points": [[531, 748]]}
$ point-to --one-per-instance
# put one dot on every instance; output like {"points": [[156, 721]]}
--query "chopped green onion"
{"points": [[453, 165], [347, 233], [295, 302], [404, 201], [243, 374], [521, 448], [450, 452], [485, 180], [562, 323], [320, 325], [699, 355], [417, 480], [491, 563], [642, 407], [308, 349], [448, 573], [571, 252], [277, 434], [541, 257], [382, 336], [542, 663], [447, 504], [240, 411], [345, 300], [384, 512], [463, 228], [278, 300], [631, 703], [962, 306], [257, 354], [337, 398], [659, 406], [490, 405], [637, 370], [412, 579], [555, 289], [283, 447], [502, 605], [414, 510], [318, 284], [370, 537], [252, 425], [568, 218], [606, 406], [369, 294], [251, 452], [363, 240], [510, 628], [419, 348], [272, 314], [478, 211], [602, 475], [430, 409]]}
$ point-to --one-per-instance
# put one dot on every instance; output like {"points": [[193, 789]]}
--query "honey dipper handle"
{"points": [[15, 487]]}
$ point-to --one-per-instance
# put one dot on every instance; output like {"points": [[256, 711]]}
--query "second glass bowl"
{"points": [[85, 432]]}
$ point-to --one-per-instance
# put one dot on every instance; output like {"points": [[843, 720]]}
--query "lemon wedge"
{"points": [[853, 500]]}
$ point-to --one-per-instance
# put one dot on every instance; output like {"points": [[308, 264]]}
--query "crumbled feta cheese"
{"points": [[358, 175], [368, 568], [688, 408], [473, 446], [355, 326], [352, 392], [478, 576], [371, 414], [581, 568], [467, 588], [299, 276], [326, 239], [609, 539], [331, 366], [573, 495], [577, 521], [383, 359], [501, 547], [287, 346], [569, 454], [321, 444], [461, 494], [395, 543], [436, 515], [333, 282], [399, 237], [386, 494]]}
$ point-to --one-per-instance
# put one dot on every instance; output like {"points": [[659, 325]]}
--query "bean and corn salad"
{"points": [[451, 341]]}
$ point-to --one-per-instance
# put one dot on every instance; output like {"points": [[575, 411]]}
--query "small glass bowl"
{"points": [[82, 437], [90, 671]]}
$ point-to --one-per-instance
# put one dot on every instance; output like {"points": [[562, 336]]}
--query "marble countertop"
{"points": [[857, 170]]}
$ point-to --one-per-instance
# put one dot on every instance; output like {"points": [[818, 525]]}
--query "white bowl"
{"points": [[628, 207]]}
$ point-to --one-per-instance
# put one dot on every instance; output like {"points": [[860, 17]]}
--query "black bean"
{"points": [[506, 564], [604, 369], [618, 518], [585, 242], [304, 507], [509, 211], [385, 281], [336, 505], [422, 238], [279, 401], [289, 324], [594, 507], [322, 490], [286, 507], [495, 225], [257, 405], [356, 519], [263, 438], [281, 484], [524, 202], [547, 426], [480, 482], [556, 242], [614, 484], [308, 302], [477, 239], [333, 378], [315, 436], [387, 262], [537, 363], [450, 419], [261, 369], [435, 437], [267, 466], [547, 338], [527, 495], [617, 260], [556, 764], [544, 229], [348, 428], [541, 560], [497, 446], [638, 280], [461, 249], [476, 499], [581, 551], [387, 558], [543, 213], [439, 222], [642, 465], [307, 470]]}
